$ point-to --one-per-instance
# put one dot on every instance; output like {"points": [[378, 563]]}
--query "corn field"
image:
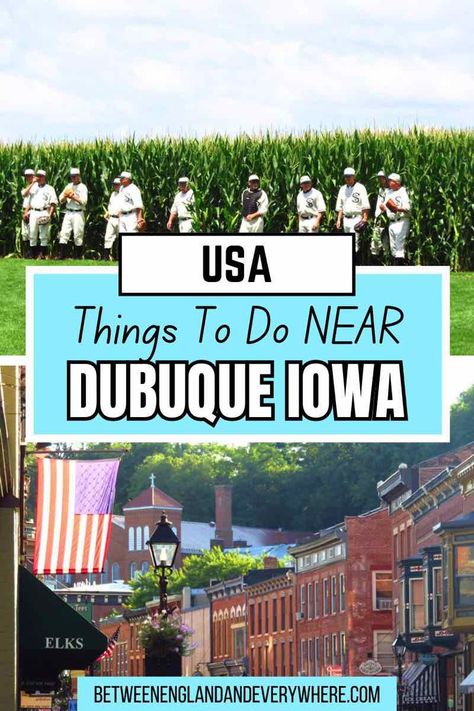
{"points": [[437, 166]]}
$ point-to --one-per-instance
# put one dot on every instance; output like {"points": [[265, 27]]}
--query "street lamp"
{"points": [[399, 648], [163, 545]]}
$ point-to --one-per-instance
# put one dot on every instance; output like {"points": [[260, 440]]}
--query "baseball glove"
{"points": [[360, 226], [44, 220], [391, 205], [141, 225], [68, 193]]}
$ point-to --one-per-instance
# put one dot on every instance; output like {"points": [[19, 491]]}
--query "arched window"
{"points": [[115, 572], [132, 570], [146, 535], [145, 566], [131, 539], [138, 538]]}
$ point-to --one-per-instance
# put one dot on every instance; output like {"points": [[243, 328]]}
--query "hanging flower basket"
{"points": [[164, 633]]}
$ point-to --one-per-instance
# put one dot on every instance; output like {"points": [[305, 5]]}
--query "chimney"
{"points": [[223, 493]]}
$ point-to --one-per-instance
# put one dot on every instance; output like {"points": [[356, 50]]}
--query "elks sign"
{"points": [[64, 643]]}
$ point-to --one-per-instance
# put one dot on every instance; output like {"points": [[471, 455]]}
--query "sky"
{"points": [[116, 67]]}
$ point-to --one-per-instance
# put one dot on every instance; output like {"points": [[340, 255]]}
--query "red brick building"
{"points": [[344, 597], [271, 626]]}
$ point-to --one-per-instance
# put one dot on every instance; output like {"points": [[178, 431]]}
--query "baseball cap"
{"points": [[253, 177], [381, 174], [116, 181], [126, 174], [349, 171], [183, 180], [305, 179], [29, 171], [40, 172], [395, 176], [74, 171]]}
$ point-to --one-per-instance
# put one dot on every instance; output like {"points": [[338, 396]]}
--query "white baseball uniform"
{"points": [[399, 222], [130, 202], [112, 229], [378, 229], [260, 204], [352, 200], [40, 202], [26, 194], [309, 205], [74, 219], [182, 207]]}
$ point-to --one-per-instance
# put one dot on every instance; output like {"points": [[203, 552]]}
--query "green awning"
{"points": [[53, 636]]}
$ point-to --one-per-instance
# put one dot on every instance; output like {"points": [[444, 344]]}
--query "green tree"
{"points": [[197, 571]]}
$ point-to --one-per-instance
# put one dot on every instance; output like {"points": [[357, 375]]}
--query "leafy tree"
{"points": [[197, 571]]}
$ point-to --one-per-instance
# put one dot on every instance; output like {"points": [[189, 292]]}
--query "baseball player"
{"points": [[112, 217], [377, 242], [43, 203], [254, 207], [182, 208], [352, 206], [397, 207], [310, 206], [75, 196], [31, 184], [130, 205]]}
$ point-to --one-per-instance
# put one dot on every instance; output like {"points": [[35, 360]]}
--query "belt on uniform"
{"points": [[352, 214], [116, 216], [183, 219], [69, 209], [38, 209], [128, 212], [396, 218], [307, 217]]}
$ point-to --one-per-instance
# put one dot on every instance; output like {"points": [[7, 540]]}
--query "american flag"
{"points": [[74, 506], [110, 647]]}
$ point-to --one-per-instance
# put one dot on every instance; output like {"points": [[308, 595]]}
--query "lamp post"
{"points": [[399, 648], [163, 545]]}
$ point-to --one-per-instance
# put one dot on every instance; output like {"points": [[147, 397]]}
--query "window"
{"points": [[145, 567], [383, 651], [275, 660], [132, 570], [437, 596], [310, 601], [316, 598], [326, 650], [317, 662], [303, 656], [333, 594], [417, 604], [382, 591], [115, 574], [464, 575], [291, 621], [342, 592], [146, 536], [275, 614], [267, 619], [292, 665], [138, 539], [310, 657], [342, 647], [259, 618], [104, 576], [283, 659], [252, 619], [334, 649], [302, 599], [283, 612], [238, 643], [325, 596], [131, 539]]}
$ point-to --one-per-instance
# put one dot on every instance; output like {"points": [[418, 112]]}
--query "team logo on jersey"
{"points": [[355, 197], [309, 202]]}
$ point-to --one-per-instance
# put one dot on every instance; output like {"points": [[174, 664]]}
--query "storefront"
{"points": [[53, 636]]}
